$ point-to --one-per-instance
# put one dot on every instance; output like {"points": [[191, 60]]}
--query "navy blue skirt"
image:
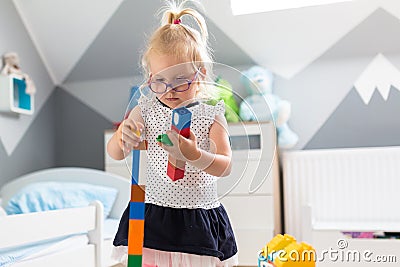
{"points": [[196, 231]]}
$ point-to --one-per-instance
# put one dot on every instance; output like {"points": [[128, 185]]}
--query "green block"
{"points": [[134, 260], [163, 138]]}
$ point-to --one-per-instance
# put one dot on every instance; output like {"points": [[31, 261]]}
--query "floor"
{"points": [[121, 265]]}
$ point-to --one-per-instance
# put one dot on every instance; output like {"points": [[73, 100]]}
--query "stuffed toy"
{"points": [[224, 92], [262, 105], [11, 66]]}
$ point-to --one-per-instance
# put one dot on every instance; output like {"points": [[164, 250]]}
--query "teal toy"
{"points": [[262, 104]]}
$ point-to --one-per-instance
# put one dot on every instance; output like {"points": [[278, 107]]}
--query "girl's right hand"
{"points": [[128, 134]]}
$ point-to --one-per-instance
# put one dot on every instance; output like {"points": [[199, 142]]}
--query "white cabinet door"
{"points": [[250, 242], [246, 176], [252, 212]]}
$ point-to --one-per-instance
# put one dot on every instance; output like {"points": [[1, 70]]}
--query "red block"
{"points": [[175, 173], [176, 163], [185, 132]]}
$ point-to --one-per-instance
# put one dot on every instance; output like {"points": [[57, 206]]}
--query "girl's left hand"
{"points": [[183, 148]]}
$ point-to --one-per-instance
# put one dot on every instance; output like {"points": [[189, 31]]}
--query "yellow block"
{"points": [[277, 243], [137, 133], [297, 255]]}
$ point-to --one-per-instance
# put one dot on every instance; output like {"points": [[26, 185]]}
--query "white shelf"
{"points": [[13, 97]]}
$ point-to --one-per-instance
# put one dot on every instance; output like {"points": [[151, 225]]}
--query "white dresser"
{"points": [[255, 216], [253, 185]]}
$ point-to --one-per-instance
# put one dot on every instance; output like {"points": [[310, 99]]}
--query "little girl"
{"points": [[185, 224]]}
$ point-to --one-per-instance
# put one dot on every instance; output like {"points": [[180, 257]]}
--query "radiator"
{"points": [[344, 186]]}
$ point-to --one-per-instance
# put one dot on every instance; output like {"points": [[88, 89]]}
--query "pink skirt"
{"points": [[158, 258]]}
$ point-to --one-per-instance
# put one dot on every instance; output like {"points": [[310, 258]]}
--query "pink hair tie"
{"points": [[177, 21]]}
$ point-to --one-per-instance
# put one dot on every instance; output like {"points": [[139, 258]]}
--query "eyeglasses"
{"points": [[159, 86]]}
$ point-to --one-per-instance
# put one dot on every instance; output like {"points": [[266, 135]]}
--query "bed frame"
{"points": [[25, 228], [34, 227]]}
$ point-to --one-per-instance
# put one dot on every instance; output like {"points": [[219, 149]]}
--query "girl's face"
{"points": [[167, 69]]}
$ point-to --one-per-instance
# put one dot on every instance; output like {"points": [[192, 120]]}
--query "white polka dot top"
{"points": [[197, 189]]}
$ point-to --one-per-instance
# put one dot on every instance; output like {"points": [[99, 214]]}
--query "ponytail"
{"points": [[174, 14]]}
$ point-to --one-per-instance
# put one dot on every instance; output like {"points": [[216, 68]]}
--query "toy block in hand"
{"points": [[181, 119]]}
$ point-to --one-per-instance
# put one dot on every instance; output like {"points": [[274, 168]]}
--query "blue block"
{"points": [[135, 166], [187, 125], [181, 118], [136, 210]]}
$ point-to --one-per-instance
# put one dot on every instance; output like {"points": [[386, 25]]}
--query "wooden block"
{"points": [[135, 237], [180, 164], [136, 210], [175, 173], [185, 132], [137, 193], [134, 260]]}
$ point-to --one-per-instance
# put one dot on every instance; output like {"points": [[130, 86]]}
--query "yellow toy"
{"points": [[284, 251]]}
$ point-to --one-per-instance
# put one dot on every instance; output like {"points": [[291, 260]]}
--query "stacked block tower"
{"points": [[181, 119], [136, 216]]}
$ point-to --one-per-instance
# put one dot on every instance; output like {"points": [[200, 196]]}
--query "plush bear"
{"points": [[262, 105]]}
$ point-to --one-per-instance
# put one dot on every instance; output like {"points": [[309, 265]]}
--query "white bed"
{"points": [[87, 243]]}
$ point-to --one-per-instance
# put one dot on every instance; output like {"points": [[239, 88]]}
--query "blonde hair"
{"points": [[175, 38]]}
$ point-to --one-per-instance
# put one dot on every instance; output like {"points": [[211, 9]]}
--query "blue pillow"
{"points": [[44, 196]]}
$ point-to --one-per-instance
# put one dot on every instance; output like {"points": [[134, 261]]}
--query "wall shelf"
{"points": [[13, 97]]}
